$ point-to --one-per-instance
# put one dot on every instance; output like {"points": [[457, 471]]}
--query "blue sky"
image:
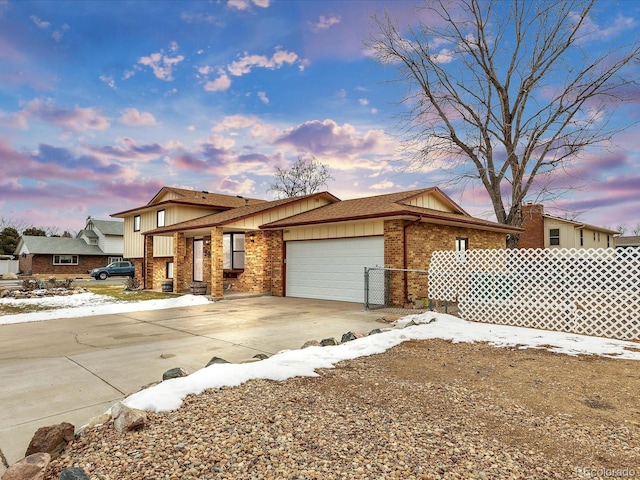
{"points": [[104, 102]]}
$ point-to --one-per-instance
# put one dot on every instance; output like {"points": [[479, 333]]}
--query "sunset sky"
{"points": [[104, 102]]}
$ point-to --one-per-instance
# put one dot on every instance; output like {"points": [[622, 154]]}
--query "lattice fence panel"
{"points": [[586, 291]]}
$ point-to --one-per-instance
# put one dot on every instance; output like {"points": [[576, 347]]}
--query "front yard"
{"points": [[428, 409]]}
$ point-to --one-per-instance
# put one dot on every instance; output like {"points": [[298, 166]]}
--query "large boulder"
{"points": [[51, 439], [32, 467]]}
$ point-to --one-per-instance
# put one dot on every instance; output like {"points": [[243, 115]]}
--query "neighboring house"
{"points": [[626, 242], [99, 243], [313, 246], [546, 231]]}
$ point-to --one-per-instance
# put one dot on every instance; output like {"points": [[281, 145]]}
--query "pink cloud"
{"points": [[222, 83], [162, 65], [133, 118], [246, 63], [77, 119], [329, 138]]}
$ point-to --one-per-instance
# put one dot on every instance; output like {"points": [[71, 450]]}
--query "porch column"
{"points": [[148, 262], [179, 256], [217, 287]]}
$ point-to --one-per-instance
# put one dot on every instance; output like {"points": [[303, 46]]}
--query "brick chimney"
{"points": [[533, 224]]}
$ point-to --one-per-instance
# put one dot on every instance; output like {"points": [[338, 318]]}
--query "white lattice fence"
{"points": [[587, 291]]}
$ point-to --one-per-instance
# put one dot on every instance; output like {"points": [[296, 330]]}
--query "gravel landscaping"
{"points": [[424, 409]]}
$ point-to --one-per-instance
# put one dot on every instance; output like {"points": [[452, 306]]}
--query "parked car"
{"points": [[114, 269]]}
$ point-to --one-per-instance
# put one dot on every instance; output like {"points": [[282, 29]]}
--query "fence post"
{"points": [[366, 288]]}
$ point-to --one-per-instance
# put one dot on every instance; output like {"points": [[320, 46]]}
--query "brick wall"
{"points": [[43, 265], [179, 259], [256, 275], [217, 262], [160, 270], [422, 239], [148, 263], [276, 262], [533, 224], [139, 266]]}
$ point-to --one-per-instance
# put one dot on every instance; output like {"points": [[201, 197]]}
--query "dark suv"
{"points": [[114, 269]]}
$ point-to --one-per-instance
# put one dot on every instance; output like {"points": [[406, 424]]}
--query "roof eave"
{"points": [[467, 221]]}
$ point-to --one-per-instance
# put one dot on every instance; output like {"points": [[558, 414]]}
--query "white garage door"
{"points": [[331, 269]]}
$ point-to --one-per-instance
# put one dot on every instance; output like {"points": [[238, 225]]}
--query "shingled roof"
{"points": [[56, 246], [236, 214], [389, 205], [202, 198]]}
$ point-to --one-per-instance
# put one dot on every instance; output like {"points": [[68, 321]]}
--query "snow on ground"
{"points": [[169, 394], [88, 304]]}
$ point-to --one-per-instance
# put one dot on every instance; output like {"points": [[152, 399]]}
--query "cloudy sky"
{"points": [[104, 102]]}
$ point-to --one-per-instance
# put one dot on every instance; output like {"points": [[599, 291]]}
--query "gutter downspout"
{"points": [[404, 254]]}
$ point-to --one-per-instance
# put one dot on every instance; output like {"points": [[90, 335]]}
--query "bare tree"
{"points": [[506, 93], [16, 223], [621, 229], [305, 176]]}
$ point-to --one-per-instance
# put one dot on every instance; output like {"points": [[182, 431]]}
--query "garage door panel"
{"points": [[331, 269]]}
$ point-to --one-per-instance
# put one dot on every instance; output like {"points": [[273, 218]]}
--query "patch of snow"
{"points": [[169, 394], [88, 304]]}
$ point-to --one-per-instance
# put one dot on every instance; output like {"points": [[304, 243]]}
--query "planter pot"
{"points": [[198, 288], [167, 286]]}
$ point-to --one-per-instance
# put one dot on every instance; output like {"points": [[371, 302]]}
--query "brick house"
{"points": [[99, 243], [546, 231], [313, 246]]}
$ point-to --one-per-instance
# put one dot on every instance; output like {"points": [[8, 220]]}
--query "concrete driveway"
{"points": [[74, 369]]}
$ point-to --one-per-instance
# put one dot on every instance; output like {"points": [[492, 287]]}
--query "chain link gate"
{"points": [[396, 290]]}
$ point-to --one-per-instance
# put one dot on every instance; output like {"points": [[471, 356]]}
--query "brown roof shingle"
{"points": [[389, 205], [235, 214]]}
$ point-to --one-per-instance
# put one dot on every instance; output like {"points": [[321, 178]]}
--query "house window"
{"points": [[582, 238], [115, 259], [65, 259], [462, 244], [160, 218], [554, 236], [136, 223], [598, 237], [169, 270], [594, 236], [608, 241], [233, 251]]}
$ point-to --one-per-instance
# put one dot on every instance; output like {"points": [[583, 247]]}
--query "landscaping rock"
{"points": [[51, 439], [215, 360], [73, 474], [94, 422], [261, 356], [126, 419], [347, 337], [328, 342], [32, 467], [174, 373], [311, 343], [375, 331]]}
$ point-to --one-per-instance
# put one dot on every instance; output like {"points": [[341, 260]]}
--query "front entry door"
{"points": [[198, 258]]}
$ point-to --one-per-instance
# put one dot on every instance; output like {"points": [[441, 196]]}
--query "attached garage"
{"points": [[331, 269]]}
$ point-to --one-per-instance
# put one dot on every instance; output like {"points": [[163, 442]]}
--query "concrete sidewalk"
{"points": [[73, 369]]}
